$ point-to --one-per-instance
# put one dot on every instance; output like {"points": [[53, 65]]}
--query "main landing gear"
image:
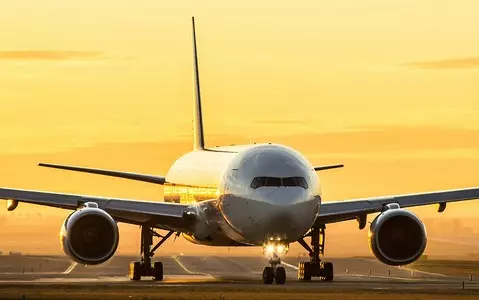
{"points": [[315, 267], [145, 268], [273, 272]]}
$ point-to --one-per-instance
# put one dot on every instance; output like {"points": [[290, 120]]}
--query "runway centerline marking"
{"points": [[175, 257], [70, 268], [289, 265], [182, 265]]}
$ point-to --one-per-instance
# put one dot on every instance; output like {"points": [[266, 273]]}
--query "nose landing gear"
{"points": [[315, 267], [273, 272]]}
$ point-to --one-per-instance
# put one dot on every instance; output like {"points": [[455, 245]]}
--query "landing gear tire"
{"points": [[304, 271], [280, 275], [328, 272], [138, 270], [145, 268], [158, 271], [268, 275], [135, 271], [315, 267], [323, 270]]}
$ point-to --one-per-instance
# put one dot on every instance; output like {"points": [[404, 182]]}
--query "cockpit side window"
{"points": [[258, 181], [276, 181], [300, 181]]}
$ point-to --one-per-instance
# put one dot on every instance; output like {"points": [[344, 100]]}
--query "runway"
{"points": [[194, 271]]}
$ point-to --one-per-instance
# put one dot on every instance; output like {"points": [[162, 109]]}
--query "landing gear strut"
{"points": [[315, 267], [145, 268], [273, 272]]}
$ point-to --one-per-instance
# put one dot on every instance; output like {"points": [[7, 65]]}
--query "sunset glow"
{"points": [[389, 88]]}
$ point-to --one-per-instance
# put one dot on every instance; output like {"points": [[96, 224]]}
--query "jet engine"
{"points": [[89, 235], [397, 236]]}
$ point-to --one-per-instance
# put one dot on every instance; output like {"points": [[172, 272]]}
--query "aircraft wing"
{"points": [[163, 215], [338, 211]]}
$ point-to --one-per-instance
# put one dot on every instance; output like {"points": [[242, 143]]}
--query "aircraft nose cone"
{"points": [[281, 213], [289, 211], [269, 190], [282, 197]]}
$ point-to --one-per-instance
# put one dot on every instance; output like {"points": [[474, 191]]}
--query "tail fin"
{"points": [[199, 141]]}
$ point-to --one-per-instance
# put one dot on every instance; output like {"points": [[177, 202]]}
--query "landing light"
{"points": [[271, 249]]}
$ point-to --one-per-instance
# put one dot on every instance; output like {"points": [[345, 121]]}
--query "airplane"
{"points": [[252, 195]]}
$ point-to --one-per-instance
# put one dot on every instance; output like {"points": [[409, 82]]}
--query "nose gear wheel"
{"points": [[274, 272]]}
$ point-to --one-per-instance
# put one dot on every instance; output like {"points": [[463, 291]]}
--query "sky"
{"points": [[390, 88]]}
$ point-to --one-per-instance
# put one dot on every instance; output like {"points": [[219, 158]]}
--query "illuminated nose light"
{"points": [[272, 248]]}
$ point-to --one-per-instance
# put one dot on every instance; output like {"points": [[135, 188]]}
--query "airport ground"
{"points": [[218, 277]]}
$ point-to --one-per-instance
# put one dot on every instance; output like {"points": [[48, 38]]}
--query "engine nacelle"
{"points": [[89, 235], [397, 237]]}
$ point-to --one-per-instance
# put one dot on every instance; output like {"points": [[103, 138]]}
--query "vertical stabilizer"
{"points": [[197, 115]]}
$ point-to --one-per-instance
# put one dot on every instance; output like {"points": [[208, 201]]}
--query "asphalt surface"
{"points": [[351, 273]]}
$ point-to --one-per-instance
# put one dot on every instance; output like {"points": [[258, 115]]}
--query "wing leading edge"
{"points": [[127, 175], [338, 211], [120, 174], [160, 214]]}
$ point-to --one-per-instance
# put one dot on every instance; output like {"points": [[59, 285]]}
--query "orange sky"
{"points": [[387, 87]]}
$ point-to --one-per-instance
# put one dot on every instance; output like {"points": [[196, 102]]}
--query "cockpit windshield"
{"points": [[276, 181]]}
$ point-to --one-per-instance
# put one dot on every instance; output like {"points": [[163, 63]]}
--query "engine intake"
{"points": [[89, 236], [397, 237]]}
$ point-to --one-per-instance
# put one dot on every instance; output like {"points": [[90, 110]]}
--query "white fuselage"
{"points": [[247, 194]]}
